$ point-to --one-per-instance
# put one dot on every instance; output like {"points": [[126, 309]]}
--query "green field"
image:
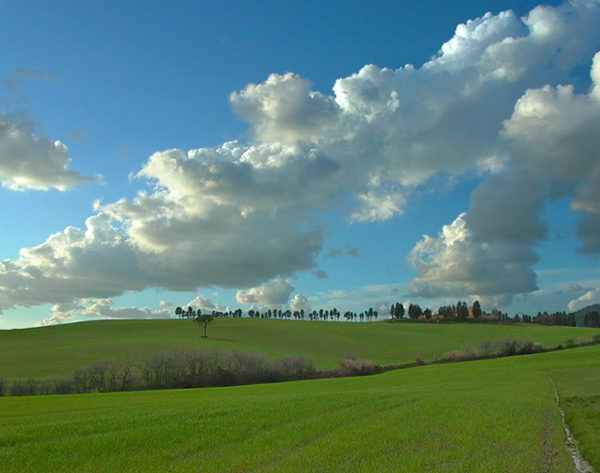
{"points": [[496, 415], [485, 416], [56, 351]]}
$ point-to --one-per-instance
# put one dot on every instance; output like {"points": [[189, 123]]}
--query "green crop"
{"points": [[487, 416], [56, 351]]}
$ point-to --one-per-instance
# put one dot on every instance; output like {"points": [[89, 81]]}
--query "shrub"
{"points": [[528, 347], [120, 376], [294, 368], [584, 341], [486, 348], [506, 347], [466, 354], [419, 361], [64, 386], [28, 387], [2, 386], [81, 381], [350, 366], [165, 371]]}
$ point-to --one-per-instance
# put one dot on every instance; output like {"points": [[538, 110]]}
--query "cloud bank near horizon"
{"points": [[501, 99]]}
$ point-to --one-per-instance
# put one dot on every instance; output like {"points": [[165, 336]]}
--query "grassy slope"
{"points": [[58, 350], [485, 416]]}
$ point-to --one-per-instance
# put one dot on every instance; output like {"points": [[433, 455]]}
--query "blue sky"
{"points": [[297, 155]]}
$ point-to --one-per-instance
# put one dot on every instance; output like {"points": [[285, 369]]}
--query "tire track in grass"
{"points": [[580, 464]]}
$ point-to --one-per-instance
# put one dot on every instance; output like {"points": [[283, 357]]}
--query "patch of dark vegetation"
{"points": [[200, 369], [350, 365], [509, 347], [187, 369]]}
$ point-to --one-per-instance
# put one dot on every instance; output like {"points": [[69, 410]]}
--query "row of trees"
{"points": [[458, 312], [369, 315], [321, 314], [190, 313]]}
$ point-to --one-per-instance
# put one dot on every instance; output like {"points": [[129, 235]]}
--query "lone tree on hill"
{"points": [[205, 320]]}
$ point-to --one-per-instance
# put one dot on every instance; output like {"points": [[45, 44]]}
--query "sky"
{"points": [[297, 154]]}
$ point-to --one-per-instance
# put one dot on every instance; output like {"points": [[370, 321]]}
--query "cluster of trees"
{"points": [[398, 312], [592, 319], [461, 312], [457, 312], [555, 318]]}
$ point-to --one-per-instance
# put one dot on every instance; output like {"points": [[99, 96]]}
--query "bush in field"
{"points": [[466, 354], [527, 347], [63, 386], [506, 347], [2, 386], [486, 348], [27, 387], [510, 347], [593, 340], [213, 368], [350, 366], [294, 368]]}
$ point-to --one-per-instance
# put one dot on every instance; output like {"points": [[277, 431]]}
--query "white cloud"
{"points": [[205, 305], [103, 308], [589, 298], [554, 132], [299, 303], [99, 308], [238, 215], [459, 264], [270, 294], [284, 109], [29, 162]]}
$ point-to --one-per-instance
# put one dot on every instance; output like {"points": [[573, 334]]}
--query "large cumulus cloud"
{"points": [[552, 148], [241, 214]]}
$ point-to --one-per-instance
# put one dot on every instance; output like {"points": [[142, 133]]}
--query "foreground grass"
{"points": [[51, 352], [486, 416]]}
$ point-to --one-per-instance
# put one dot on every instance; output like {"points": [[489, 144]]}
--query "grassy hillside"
{"points": [[56, 351], [485, 416]]}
